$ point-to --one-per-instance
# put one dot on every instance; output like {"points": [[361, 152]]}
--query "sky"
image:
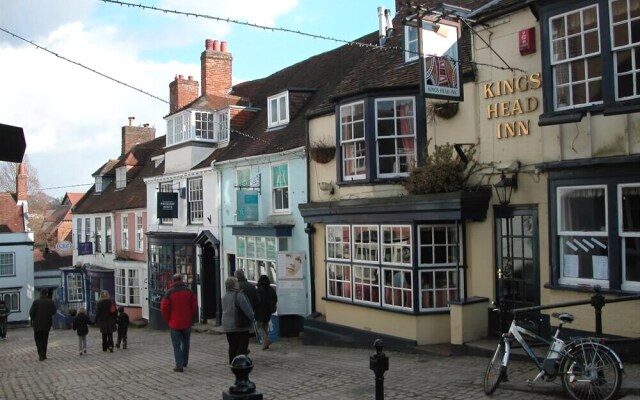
{"points": [[83, 67]]}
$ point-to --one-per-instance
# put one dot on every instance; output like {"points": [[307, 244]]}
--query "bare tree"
{"points": [[38, 201]]}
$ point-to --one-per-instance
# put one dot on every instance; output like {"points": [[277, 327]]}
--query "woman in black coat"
{"points": [[267, 301], [106, 319]]}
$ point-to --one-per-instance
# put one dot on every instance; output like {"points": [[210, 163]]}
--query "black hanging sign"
{"points": [[167, 205]]}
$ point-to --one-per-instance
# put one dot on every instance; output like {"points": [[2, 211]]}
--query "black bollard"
{"points": [[379, 364], [243, 388], [598, 301]]}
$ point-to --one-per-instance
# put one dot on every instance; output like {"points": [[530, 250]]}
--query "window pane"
{"points": [[630, 209], [582, 209]]}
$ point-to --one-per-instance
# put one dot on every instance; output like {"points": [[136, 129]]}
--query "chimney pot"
{"points": [[216, 45], [131, 119], [223, 47], [180, 76], [208, 44], [190, 77]]}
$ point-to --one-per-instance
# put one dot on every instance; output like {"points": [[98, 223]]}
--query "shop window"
{"points": [[256, 255], [439, 254], [11, 300], [629, 226], [75, 287], [127, 284]]}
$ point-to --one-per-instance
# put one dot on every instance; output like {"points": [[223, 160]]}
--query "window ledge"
{"points": [[587, 289], [381, 308], [557, 119]]}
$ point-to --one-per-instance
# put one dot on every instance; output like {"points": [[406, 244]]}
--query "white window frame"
{"points": [[127, 286], [570, 63], [139, 233], [124, 219], [11, 300], [278, 109], [79, 233], [366, 284], [397, 293], [439, 277], [620, 26], [75, 287], [408, 160], [204, 125], [243, 182], [87, 230], [366, 249], [108, 234], [339, 281], [353, 149], [624, 236], [98, 184], [98, 234], [257, 255], [338, 246], [222, 125], [121, 177], [280, 191], [394, 252], [166, 187], [7, 264], [599, 238], [195, 200]]}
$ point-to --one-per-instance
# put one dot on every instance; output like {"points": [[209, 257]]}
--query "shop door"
{"points": [[517, 268]]}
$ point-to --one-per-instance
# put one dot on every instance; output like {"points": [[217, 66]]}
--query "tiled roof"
{"points": [[106, 168], [11, 220], [51, 261], [309, 83], [134, 195]]}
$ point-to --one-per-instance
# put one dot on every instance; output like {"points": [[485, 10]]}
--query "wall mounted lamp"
{"points": [[505, 186]]}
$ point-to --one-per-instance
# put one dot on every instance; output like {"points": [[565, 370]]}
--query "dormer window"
{"points": [[278, 109], [99, 187], [201, 126], [121, 177]]}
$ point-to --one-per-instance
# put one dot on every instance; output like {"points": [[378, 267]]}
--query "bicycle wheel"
{"points": [[590, 371], [495, 369]]}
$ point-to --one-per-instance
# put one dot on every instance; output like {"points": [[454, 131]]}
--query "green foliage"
{"points": [[443, 171]]}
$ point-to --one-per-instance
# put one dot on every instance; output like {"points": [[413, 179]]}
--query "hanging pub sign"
{"points": [[247, 201], [167, 205], [85, 248], [441, 66]]}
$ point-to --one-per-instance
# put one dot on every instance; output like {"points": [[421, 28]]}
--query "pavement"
{"points": [[287, 370]]}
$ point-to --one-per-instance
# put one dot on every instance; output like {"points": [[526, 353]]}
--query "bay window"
{"points": [[378, 138], [201, 126], [382, 265]]}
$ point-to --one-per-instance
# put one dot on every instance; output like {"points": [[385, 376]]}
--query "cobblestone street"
{"points": [[288, 370]]}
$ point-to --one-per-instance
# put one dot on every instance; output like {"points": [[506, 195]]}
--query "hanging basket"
{"points": [[445, 110], [322, 153]]}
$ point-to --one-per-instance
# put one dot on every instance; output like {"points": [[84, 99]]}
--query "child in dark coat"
{"points": [[123, 327], [81, 326]]}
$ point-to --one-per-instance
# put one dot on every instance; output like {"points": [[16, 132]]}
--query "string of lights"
{"points": [[81, 65]]}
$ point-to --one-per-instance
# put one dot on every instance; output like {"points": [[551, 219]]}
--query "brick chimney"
{"points": [[133, 135], [21, 183], [215, 68], [182, 92]]}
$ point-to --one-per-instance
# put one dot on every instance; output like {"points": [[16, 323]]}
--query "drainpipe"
{"points": [[220, 250], [309, 229]]}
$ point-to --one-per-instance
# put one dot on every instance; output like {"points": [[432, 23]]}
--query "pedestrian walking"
{"points": [[248, 288], [81, 326], [237, 315], [123, 327], [106, 319], [267, 305], [178, 306], [41, 312], [4, 317]]}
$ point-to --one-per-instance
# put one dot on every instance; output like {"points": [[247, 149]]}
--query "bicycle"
{"points": [[588, 369]]}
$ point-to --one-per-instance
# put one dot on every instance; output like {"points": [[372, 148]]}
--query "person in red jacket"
{"points": [[178, 306]]}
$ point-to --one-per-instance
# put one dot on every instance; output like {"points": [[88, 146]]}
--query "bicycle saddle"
{"points": [[564, 317]]}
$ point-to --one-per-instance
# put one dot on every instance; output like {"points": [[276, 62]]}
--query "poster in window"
{"points": [[290, 265], [600, 267], [571, 264]]}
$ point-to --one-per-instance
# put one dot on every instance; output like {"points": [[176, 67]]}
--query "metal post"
{"points": [[598, 301], [243, 388], [379, 363]]}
